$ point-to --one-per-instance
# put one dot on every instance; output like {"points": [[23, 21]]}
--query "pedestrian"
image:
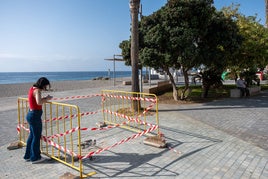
{"points": [[242, 85], [34, 120]]}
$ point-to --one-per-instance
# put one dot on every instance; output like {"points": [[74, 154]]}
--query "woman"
{"points": [[36, 101]]}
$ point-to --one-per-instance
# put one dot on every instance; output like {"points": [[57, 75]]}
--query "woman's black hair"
{"points": [[42, 83]]}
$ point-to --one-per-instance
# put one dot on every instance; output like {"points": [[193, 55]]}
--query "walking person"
{"points": [[34, 120]]}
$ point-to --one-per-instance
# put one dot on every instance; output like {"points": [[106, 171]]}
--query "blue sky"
{"points": [[75, 35]]}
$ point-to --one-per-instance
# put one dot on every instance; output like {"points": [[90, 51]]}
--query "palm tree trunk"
{"points": [[134, 54]]}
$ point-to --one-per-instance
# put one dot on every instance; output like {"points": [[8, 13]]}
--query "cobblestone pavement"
{"points": [[221, 139], [245, 118]]}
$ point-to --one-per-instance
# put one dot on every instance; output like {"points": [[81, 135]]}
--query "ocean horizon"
{"points": [[32, 77]]}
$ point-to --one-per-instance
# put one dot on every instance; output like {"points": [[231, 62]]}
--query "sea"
{"points": [[27, 77]]}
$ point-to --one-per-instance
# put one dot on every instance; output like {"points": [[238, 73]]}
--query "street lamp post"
{"points": [[114, 59], [114, 70]]}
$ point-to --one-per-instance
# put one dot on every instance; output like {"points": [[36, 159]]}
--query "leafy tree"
{"points": [[221, 42], [210, 77], [192, 33], [172, 36], [253, 52], [189, 34], [266, 12], [125, 47]]}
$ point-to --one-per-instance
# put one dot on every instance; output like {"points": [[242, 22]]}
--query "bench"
{"points": [[236, 93], [129, 82], [162, 86], [126, 82]]}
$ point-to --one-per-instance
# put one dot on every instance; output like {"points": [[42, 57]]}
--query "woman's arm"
{"points": [[38, 97]]}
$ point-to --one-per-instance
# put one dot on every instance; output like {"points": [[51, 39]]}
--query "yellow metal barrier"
{"points": [[64, 129], [61, 138], [135, 110]]}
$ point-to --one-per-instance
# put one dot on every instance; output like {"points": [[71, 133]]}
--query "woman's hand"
{"points": [[39, 99], [48, 97]]}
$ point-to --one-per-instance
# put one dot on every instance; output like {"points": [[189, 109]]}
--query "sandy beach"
{"points": [[9, 90]]}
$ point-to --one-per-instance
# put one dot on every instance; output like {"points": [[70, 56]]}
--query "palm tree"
{"points": [[134, 55]]}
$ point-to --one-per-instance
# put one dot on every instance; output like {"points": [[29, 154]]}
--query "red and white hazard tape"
{"points": [[148, 108], [107, 95], [72, 116], [103, 95], [51, 142], [174, 150], [18, 129], [131, 98], [83, 129], [65, 150], [19, 126], [102, 128], [63, 134], [93, 129], [89, 113], [169, 146], [95, 112], [120, 142], [47, 139], [76, 97], [128, 118], [60, 118]]}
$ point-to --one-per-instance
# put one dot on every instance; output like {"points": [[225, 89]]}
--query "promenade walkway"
{"points": [[221, 139]]}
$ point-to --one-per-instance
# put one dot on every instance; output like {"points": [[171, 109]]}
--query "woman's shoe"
{"points": [[27, 160], [39, 160]]}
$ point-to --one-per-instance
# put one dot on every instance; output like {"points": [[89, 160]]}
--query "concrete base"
{"points": [[236, 93], [15, 145], [161, 86]]}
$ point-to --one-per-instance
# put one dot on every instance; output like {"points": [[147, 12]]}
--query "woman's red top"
{"points": [[32, 101]]}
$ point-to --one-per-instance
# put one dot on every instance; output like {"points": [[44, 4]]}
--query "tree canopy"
{"points": [[190, 33], [254, 49]]}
